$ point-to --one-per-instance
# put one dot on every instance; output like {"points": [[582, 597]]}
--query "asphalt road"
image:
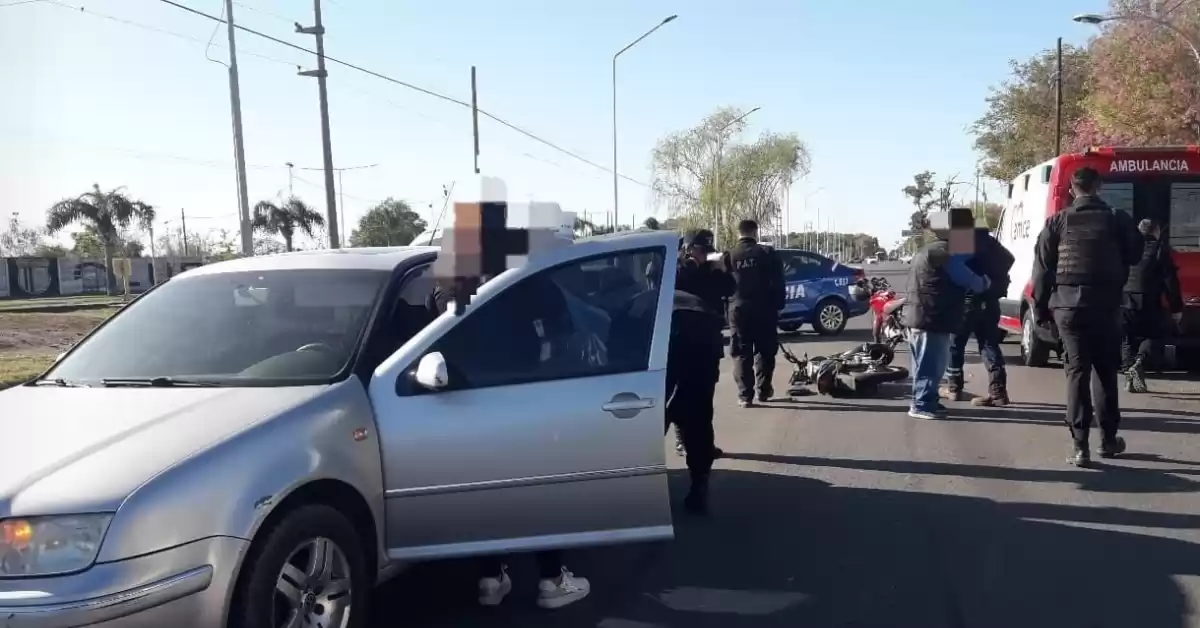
{"points": [[850, 514]]}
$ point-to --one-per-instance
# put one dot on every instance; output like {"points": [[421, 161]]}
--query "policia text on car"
{"points": [[1081, 264]]}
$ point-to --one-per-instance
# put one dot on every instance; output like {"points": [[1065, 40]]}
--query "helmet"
{"points": [[859, 293]]}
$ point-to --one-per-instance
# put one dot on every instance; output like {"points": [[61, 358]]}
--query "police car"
{"points": [[819, 292]]}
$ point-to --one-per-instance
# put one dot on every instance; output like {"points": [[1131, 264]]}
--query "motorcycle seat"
{"points": [[892, 306]]}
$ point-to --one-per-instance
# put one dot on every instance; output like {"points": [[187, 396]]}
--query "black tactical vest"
{"points": [[935, 303], [1089, 249], [749, 263], [1146, 276]]}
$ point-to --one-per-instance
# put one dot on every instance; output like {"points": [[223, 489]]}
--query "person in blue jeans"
{"points": [[933, 313]]}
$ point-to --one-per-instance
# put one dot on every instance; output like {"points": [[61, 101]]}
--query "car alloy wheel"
{"points": [[314, 587], [831, 316]]}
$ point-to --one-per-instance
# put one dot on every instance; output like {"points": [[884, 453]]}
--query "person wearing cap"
{"points": [[1152, 279], [1080, 266], [759, 293], [712, 284]]}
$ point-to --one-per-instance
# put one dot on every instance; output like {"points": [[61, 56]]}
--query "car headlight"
{"points": [[47, 546]]}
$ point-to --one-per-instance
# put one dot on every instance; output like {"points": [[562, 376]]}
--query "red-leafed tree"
{"points": [[1145, 77]]}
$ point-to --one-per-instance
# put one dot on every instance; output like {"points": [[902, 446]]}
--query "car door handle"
{"points": [[627, 405]]}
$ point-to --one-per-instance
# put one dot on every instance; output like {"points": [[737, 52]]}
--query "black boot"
{"points": [[1080, 456], [1111, 447]]}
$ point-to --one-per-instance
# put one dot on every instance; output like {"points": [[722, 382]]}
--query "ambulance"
{"points": [[1162, 183]]}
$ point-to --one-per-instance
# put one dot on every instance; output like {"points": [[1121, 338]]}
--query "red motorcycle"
{"points": [[885, 308]]}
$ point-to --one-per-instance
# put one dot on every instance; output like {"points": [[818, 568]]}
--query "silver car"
{"points": [[259, 442]]}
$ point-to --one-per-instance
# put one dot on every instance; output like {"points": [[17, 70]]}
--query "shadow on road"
{"points": [[784, 551], [1102, 478]]}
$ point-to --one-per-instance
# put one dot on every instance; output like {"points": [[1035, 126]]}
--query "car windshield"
{"points": [[276, 327]]}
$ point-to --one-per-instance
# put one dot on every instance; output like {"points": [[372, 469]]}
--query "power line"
{"points": [[422, 90]]}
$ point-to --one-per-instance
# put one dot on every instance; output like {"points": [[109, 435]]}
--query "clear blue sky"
{"points": [[879, 90]]}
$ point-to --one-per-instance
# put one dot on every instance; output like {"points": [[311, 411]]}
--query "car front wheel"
{"points": [[1035, 352], [308, 570], [831, 317]]}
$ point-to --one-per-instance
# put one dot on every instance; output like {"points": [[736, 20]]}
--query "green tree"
{"points": [[18, 240], [390, 223], [651, 223], [922, 194], [710, 180], [1017, 131], [1145, 80], [106, 214], [285, 219]]}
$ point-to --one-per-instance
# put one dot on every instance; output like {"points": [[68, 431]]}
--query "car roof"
{"points": [[387, 258], [368, 258]]}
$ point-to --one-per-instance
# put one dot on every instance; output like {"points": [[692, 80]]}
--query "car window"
{"points": [[273, 327], [801, 267], [408, 313], [581, 319]]}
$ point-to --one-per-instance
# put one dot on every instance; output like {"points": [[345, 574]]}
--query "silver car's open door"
{"points": [[536, 419]]}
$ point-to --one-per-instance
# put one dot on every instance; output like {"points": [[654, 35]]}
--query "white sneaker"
{"points": [[493, 590], [557, 595]]}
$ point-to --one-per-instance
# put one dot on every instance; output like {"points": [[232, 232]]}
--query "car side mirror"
{"points": [[431, 372]]}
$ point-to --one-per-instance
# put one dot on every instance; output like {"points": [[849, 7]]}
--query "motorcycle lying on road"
{"points": [[885, 307], [856, 372]]}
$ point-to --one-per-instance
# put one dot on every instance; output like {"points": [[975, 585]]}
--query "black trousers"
{"points": [[753, 344], [1091, 340], [692, 373], [1142, 321], [549, 564], [982, 320]]}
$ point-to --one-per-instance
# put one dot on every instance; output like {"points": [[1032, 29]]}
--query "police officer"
{"points": [[693, 365], [708, 281], [1081, 263], [981, 318], [758, 296], [1152, 278]]}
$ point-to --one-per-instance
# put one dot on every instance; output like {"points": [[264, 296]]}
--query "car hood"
{"points": [[78, 450]]}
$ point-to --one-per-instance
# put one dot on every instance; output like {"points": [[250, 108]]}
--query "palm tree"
{"points": [[283, 220], [103, 213]]}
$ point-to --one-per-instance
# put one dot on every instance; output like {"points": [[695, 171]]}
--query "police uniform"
{"points": [[981, 318], [758, 296], [1152, 278], [1081, 263], [693, 364], [710, 284]]}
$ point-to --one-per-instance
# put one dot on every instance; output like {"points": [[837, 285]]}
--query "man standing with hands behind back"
{"points": [[1081, 262], [758, 296]]}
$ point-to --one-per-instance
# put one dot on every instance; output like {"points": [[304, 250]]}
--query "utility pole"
{"points": [[475, 117], [318, 30], [1058, 99], [341, 195], [183, 230], [239, 151], [290, 165]]}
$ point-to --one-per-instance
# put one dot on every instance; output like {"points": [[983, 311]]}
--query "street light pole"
{"points": [[1095, 19], [616, 177], [717, 176], [318, 30]]}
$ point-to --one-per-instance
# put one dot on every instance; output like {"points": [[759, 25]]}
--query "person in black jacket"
{"points": [[938, 284], [698, 276], [759, 294], [981, 318], [693, 365], [1081, 263], [1153, 278]]}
